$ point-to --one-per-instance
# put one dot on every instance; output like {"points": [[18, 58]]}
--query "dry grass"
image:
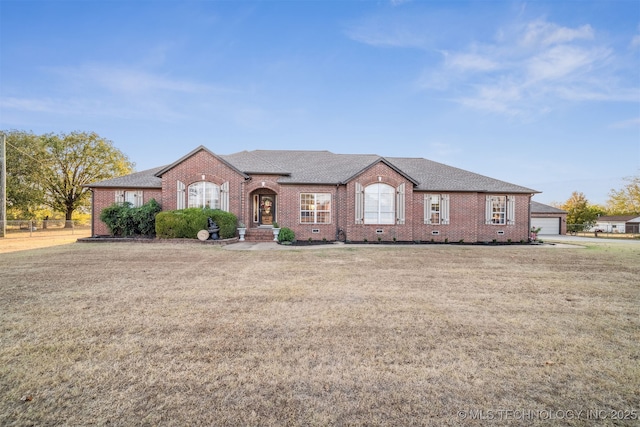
{"points": [[22, 241], [166, 334]]}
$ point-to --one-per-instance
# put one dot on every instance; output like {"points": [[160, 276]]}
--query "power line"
{"points": [[25, 153]]}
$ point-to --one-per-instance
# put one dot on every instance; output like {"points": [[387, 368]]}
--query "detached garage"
{"points": [[550, 220]]}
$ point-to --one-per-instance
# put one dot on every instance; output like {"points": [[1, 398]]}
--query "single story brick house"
{"points": [[550, 220], [318, 193]]}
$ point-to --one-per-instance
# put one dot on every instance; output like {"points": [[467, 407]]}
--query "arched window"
{"points": [[379, 204], [204, 195]]}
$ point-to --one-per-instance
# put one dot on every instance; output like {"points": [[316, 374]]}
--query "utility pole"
{"points": [[3, 186]]}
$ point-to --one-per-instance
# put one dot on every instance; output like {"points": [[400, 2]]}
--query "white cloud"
{"points": [[471, 62], [529, 68], [563, 60], [542, 33], [627, 123], [635, 41], [128, 80]]}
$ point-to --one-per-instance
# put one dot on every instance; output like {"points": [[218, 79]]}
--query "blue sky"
{"points": [[540, 94]]}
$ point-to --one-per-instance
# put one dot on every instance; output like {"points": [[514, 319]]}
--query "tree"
{"points": [[625, 201], [75, 160], [580, 214], [25, 165], [52, 169]]}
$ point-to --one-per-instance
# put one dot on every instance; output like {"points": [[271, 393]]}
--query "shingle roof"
{"points": [[434, 176], [537, 207], [325, 167], [143, 179], [617, 218]]}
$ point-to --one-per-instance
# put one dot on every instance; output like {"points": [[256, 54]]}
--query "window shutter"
{"points": [[359, 203], [138, 198], [119, 197], [427, 208], [488, 207], [400, 199], [511, 210], [444, 209], [180, 195], [224, 197]]}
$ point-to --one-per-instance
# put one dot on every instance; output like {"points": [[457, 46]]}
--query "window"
{"points": [[315, 208], [204, 195], [500, 210], [436, 209], [379, 204], [132, 197], [433, 209]]}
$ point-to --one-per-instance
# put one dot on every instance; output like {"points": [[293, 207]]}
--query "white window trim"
{"points": [[180, 195], [509, 209], [135, 195], [224, 196], [315, 211], [359, 210], [400, 204], [202, 203], [378, 209], [443, 203]]}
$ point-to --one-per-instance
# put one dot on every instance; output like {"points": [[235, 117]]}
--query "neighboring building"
{"points": [[617, 224], [318, 193], [550, 220]]}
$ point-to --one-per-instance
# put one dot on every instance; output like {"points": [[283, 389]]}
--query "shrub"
{"points": [[124, 220], [144, 217], [286, 235], [185, 223]]}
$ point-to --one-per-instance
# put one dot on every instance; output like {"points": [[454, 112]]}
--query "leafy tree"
{"points": [[625, 201], [25, 165], [58, 166], [75, 160], [580, 214]]}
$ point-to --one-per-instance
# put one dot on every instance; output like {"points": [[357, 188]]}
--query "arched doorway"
{"points": [[264, 208]]}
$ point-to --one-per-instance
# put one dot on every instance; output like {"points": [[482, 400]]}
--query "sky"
{"points": [[541, 94]]}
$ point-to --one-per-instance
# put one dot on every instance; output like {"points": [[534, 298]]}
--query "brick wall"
{"points": [[378, 173], [192, 170], [289, 212], [105, 197]]}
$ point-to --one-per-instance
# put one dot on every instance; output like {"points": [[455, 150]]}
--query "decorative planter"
{"points": [[241, 232], [276, 231]]}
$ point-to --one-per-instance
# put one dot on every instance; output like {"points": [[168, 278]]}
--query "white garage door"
{"points": [[548, 225]]}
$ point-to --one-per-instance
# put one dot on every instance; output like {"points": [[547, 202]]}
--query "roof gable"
{"points": [[387, 163], [193, 153]]}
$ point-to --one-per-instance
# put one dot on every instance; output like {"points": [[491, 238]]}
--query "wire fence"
{"points": [[588, 230], [46, 228]]}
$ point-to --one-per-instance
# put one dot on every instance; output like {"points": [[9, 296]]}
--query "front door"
{"points": [[267, 209]]}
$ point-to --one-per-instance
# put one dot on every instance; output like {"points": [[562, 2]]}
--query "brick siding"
{"points": [[467, 209]]}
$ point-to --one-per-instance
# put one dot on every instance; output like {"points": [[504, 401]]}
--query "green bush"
{"points": [[123, 220], [286, 235], [185, 223]]}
